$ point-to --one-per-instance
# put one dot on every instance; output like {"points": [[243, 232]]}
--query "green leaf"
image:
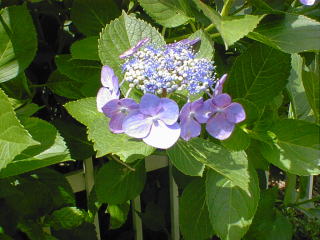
{"points": [[16, 50], [34, 230], [299, 101], [66, 218], [115, 183], [289, 33], [27, 110], [76, 139], [182, 158], [231, 209], [297, 147], [79, 70], [193, 212], [311, 83], [13, 137], [239, 140], [63, 86], [118, 214], [255, 157], [206, 49], [231, 28], [83, 232], [168, 13], [91, 16], [105, 142], [85, 49], [122, 34], [259, 74], [232, 165], [52, 149]]}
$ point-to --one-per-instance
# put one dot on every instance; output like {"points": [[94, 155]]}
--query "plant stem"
{"points": [[211, 26], [214, 35], [305, 201], [226, 7], [290, 192], [122, 163], [193, 27]]}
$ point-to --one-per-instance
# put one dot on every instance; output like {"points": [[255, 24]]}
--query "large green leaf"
{"points": [[232, 165], [13, 137], [311, 83], [206, 49], [168, 13], [91, 16], [259, 74], [52, 149], [289, 33], [118, 214], [86, 49], [297, 147], [115, 183], [231, 209], [105, 142], [299, 101], [122, 34], [231, 28], [16, 50], [181, 158], [193, 212], [66, 218]]}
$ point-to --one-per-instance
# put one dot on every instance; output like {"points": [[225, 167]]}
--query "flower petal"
{"points": [[115, 123], [221, 100], [150, 104], [185, 111], [219, 127], [111, 108], [109, 79], [137, 125], [104, 96], [169, 111], [134, 49], [235, 113], [190, 129], [203, 113], [219, 86], [308, 2], [163, 136]]}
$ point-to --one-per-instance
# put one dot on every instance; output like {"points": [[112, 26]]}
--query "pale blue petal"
{"points": [[150, 104], [308, 2], [235, 113], [163, 136], [221, 100], [134, 49], [169, 111], [219, 127], [109, 79], [137, 125], [115, 123], [104, 96], [219, 86], [190, 129]]}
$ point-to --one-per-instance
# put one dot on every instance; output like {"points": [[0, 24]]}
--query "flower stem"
{"points": [[290, 193], [226, 7], [193, 27], [128, 92], [122, 163], [211, 26]]}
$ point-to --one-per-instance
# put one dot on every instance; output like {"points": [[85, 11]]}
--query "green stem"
{"points": [[290, 193], [226, 7], [305, 201], [215, 35], [211, 26], [240, 9], [193, 27], [163, 32], [122, 163]]}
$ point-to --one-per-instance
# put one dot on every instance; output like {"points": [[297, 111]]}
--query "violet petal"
{"points": [[235, 113], [134, 49], [111, 108], [109, 79], [190, 129], [137, 125], [219, 86], [221, 100], [104, 96], [162, 136], [115, 123], [150, 104], [205, 111], [219, 127], [308, 2], [169, 111]]}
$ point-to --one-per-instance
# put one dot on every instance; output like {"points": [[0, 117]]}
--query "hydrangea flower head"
{"points": [[168, 68], [155, 122]]}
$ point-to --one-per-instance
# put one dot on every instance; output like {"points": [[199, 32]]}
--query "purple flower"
{"points": [[219, 85], [190, 118], [223, 115], [134, 49], [155, 122], [110, 89], [308, 2], [118, 110], [185, 42]]}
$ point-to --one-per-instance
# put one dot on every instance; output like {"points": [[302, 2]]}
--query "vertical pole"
{"points": [[137, 223], [174, 205], [89, 182]]}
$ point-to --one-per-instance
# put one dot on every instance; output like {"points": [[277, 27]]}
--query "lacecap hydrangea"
{"points": [[159, 71]]}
